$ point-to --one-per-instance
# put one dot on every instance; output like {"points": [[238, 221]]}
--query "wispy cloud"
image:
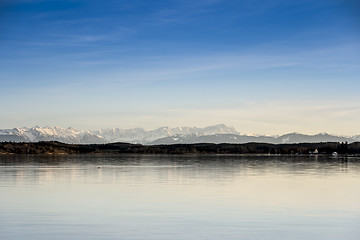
{"points": [[77, 38], [104, 67]]}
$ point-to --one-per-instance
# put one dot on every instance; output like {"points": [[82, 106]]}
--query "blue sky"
{"points": [[268, 67]]}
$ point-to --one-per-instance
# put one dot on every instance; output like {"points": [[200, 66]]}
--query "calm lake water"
{"points": [[179, 197]]}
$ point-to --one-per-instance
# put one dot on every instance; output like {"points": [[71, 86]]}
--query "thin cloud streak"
{"points": [[165, 68]]}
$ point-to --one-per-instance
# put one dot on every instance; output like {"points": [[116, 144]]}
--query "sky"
{"points": [[264, 67]]}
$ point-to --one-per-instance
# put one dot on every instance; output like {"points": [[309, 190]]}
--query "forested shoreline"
{"points": [[54, 147]]}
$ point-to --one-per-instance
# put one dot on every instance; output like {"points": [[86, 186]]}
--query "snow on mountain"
{"points": [[121, 135], [215, 138], [219, 133], [218, 129], [135, 135], [302, 138], [139, 135], [356, 138], [238, 139], [68, 135]]}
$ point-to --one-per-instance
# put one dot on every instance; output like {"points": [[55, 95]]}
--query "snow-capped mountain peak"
{"points": [[138, 135], [219, 133]]}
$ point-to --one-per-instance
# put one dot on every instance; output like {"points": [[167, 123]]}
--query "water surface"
{"points": [[179, 197]]}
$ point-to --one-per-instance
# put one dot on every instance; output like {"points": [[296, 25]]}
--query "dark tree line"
{"points": [[53, 147]]}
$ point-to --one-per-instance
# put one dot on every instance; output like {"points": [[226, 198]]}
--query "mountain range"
{"points": [[219, 133]]}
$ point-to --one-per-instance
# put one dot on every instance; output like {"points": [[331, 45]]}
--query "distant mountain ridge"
{"points": [[219, 133], [290, 138]]}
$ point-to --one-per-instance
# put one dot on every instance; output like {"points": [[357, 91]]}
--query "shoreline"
{"points": [[264, 149]]}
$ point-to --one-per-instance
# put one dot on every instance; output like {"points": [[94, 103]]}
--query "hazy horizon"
{"points": [[263, 67]]}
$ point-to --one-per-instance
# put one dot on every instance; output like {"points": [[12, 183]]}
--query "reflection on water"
{"points": [[179, 197]]}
